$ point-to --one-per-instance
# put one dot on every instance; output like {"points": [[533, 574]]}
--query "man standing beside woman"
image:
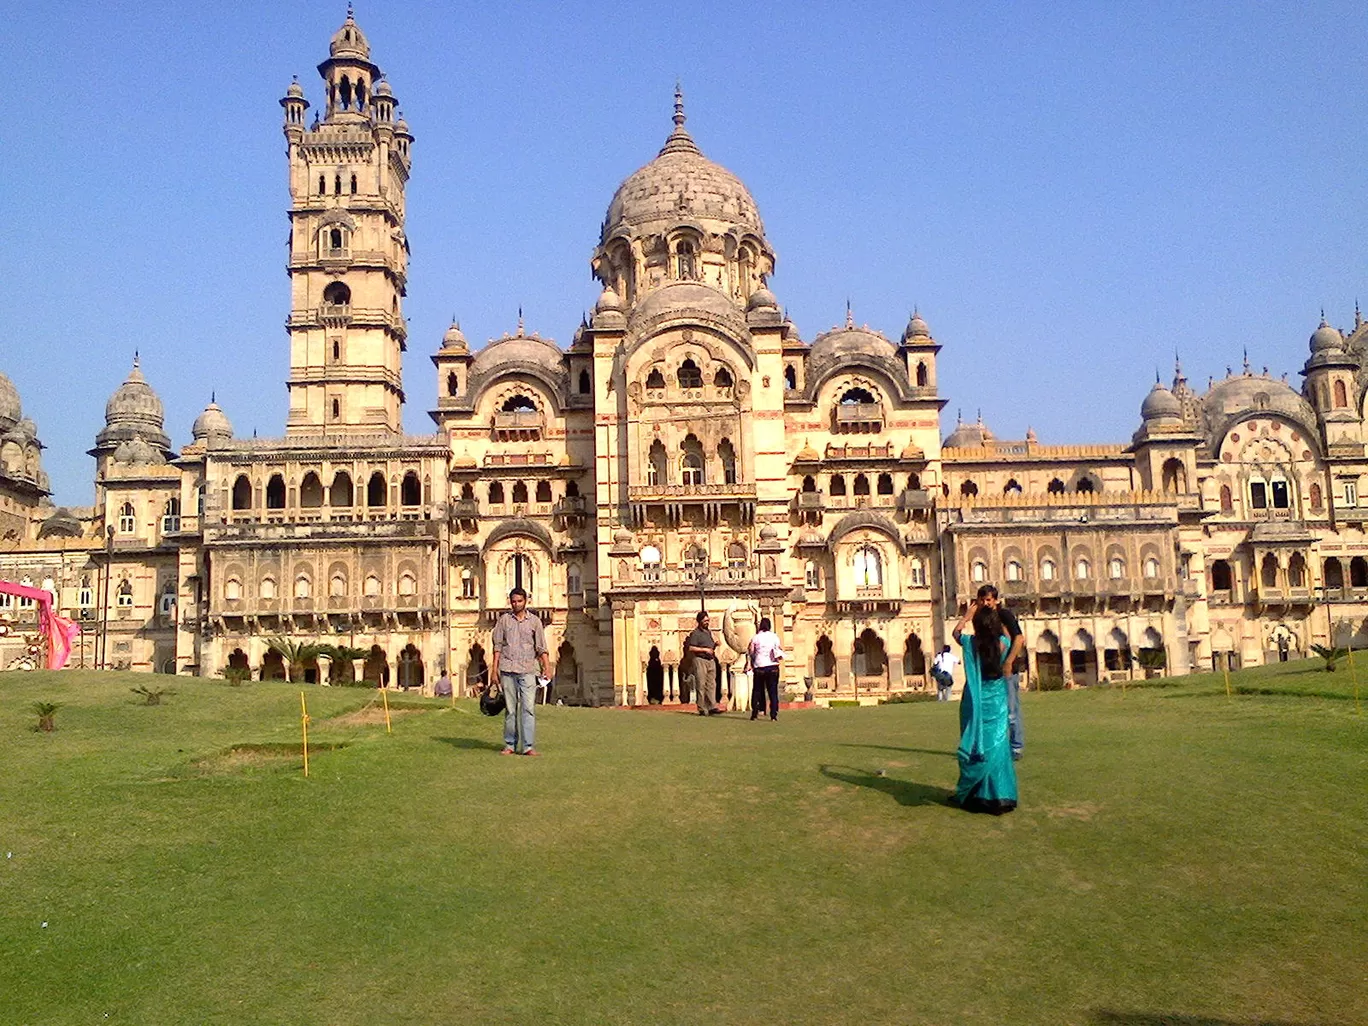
{"points": [[762, 659]]}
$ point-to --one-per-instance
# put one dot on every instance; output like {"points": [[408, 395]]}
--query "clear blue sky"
{"points": [[1069, 192]]}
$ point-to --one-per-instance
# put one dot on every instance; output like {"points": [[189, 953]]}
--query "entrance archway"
{"points": [[273, 666], [1049, 662], [477, 670], [376, 669], [410, 668], [1083, 658], [567, 671]]}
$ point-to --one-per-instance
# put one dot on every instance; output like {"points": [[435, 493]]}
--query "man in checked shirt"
{"points": [[519, 642]]}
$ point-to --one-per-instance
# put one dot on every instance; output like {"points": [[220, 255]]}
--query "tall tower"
{"points": [[348, 252]]}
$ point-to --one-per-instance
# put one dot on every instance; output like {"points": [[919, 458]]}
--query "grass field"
{"points": [[1178, 857]]}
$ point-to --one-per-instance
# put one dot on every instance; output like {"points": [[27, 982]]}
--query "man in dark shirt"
{"points": [[699, 648], [1011, 666]]}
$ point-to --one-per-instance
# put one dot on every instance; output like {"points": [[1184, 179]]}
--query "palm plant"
{"points": [[294, 653], [342, 663], [1330, 653], [46, 712], [151, 696]]}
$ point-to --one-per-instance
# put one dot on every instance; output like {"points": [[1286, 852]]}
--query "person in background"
{"points": [[1011, 666], [519, 643], [762, 659], [987, 776], [943, 673], [700, 648]]}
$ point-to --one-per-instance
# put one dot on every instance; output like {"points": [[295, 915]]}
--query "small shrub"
{"points": [[47, 712], [1049, 682], [151, 696], [908, 696], [844, 703], [237, 676], [1330, 655]]}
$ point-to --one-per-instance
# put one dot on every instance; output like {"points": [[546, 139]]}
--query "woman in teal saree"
{"points": [[987, 778]]}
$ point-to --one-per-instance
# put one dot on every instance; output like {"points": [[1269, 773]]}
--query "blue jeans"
{"points": [[520, 692], [1014, 729]]}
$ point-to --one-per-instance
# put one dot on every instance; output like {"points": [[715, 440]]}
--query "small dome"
{"points": [[134, 410], [401, 126], [349, 40], [622, 536], [296, 91], [1326, 337], [807, 454], [383, 89], [27, 429], [768, 533], [454, 338], [968, 436], [762, 299], [213, 422], [608, 300], [916, 328], [1160, 403], [10, 410], [465, 461], [138, 453], [912, 451]]}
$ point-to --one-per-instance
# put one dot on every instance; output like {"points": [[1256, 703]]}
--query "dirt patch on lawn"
{"points": [[247, 757], [370, 716]]}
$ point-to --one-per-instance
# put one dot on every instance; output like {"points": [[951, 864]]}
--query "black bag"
{"points": [[492, 700]]}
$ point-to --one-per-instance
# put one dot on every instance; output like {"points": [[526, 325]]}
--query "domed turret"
{"points": [[916, 328], [212, 424], [134, 411], [968, 436], [455, 338], [1326, 338], [349, 40], [762, 299], [10, 409], [1160, 404]]}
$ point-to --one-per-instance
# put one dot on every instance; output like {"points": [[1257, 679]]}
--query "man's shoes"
{"points": [[715, 712], [531, 751], [1016, 755], [508, 750]]}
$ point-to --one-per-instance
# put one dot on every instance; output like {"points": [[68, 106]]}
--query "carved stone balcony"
{"points": [[517, 425], [859, 417], [675, 499]]}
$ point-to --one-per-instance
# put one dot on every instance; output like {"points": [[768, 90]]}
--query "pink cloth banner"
{"points": [[58, 631]]}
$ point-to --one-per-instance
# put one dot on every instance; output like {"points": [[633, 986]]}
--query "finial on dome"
{"points": [[213, 396], [980, 415], [1358, 317], [679, 116], [350, 12], [520, 320], [135, 359], [1246, 361], [850, 315]]}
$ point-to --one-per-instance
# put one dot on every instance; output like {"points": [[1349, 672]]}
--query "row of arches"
{"points": [[337, 191], [690, 377], [340, 493], [1084, 486], [375, 669], [692, 465], [859, 484], [1116, 567], [170, 521], [1272, 573], [304, 586]]}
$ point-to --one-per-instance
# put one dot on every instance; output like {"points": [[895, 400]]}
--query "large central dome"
{"points": [[681, 184]]}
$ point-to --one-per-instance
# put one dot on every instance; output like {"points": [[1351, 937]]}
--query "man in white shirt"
{"points": [[762, 659], [943, 673]]}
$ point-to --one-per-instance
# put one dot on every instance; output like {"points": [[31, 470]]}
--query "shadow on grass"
{"points": [[1107, 1017], [904, 791], [896, 748], [475, 744]]}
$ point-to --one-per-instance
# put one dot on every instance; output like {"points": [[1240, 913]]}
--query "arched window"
{"points": [[574, 583], [914, 482], [867, 657], [337, 294], [337, 584], [1341, 395], [1358, 572], [1258, 494], [336, 350], [267, 589], [1174, 476], [520, 493], [520, 572], [1012, 487], [1227, 499], [453, 383], [723, 378], [685, 262], [586, 385], [232, 589], [1086, 486], [655, 379], [918, 571], [125, 594], [691, 465], [689, 375], [322, 185], [857, 397], [336, 408], [1014, 570], [335, 240], [1317, 502], [1151, 567], [543, 491], [656, 464], [275, 492], [1082, 569], [496, 493], [371, 585], [1280, 493], [337, 185], [921, 375], [978, 571], [1116, 568], [695, 558], [1056, 487], [790, 378], [809, 484], [310, 491], [838, 485], [128, 518], [353, 185], [1296, 571], [341, 493], [375, 490], [885, 485], [868, 567], [171, 516], [410, 490], [726, 454], [968, 488], [1268, 571], [1221, 577], [736, 561], [1048, 570], [408, 584], [861, 485], [812, 576], [467, 583], [303, 587]]}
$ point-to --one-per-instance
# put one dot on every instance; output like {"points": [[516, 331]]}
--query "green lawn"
{"points": [[1178, 857]]}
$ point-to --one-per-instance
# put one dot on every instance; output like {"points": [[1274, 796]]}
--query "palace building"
{"points": [[686, 446]]}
